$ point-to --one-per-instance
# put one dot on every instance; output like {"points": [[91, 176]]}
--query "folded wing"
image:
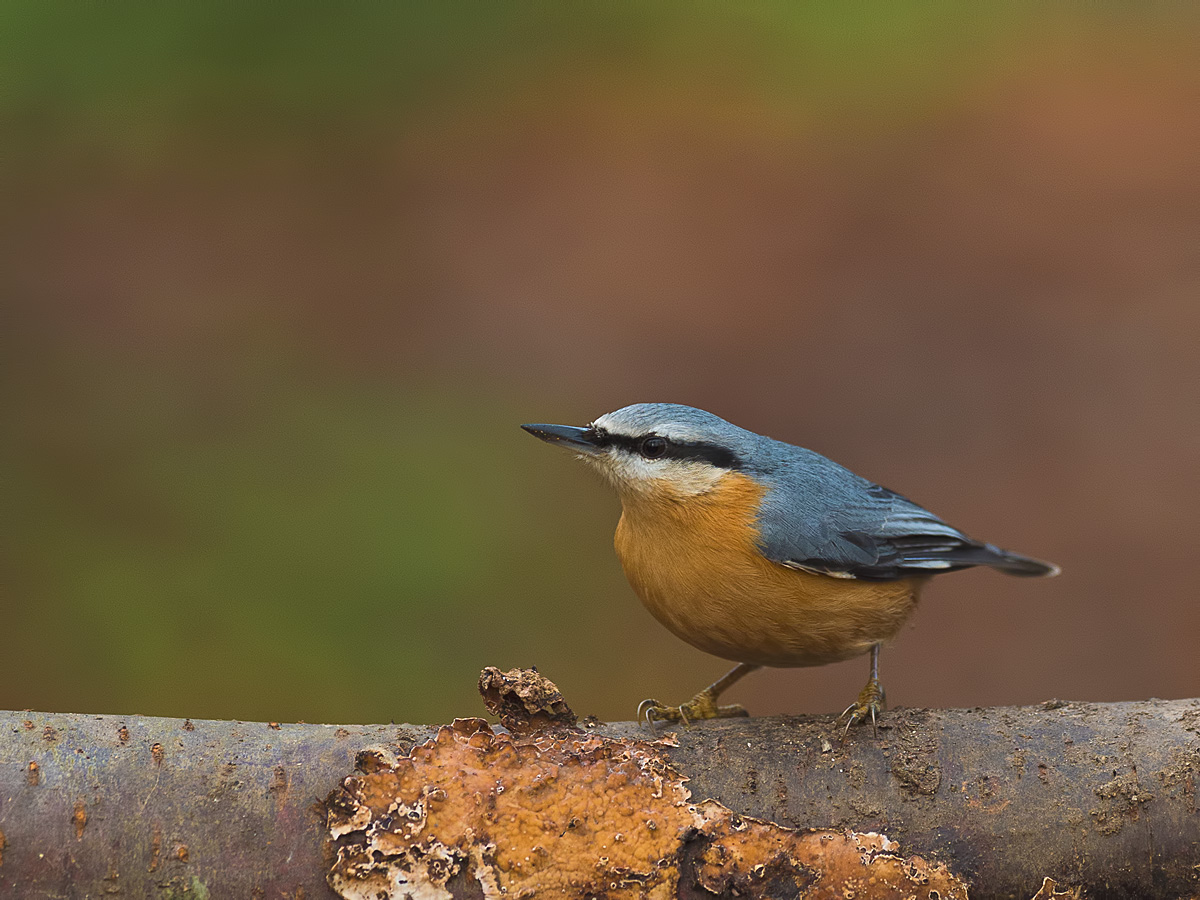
{"points": [[841, 525]]}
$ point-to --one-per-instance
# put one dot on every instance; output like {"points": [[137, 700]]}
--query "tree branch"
{"points": [[1099, 795]]}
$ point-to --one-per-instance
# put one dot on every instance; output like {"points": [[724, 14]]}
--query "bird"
{"points": [[764, 553]]}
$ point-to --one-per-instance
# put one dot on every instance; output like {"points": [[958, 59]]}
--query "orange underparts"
{"points": [[694, 562]]}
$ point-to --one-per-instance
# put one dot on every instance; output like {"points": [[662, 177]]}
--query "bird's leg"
{"points": [[871, 699], [703, 705]]}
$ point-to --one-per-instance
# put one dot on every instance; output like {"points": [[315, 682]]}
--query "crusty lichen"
{"points": [[566, 814]]}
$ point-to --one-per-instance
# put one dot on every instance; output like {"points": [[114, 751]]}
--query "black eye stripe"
{"points": [[696, 451], [703, 452]]}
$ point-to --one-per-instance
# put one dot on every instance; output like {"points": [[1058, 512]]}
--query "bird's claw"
{"points": [[870, 703], [702, 706], [651, 711]]}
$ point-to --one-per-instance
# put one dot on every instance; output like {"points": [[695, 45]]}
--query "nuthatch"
{"points": [[762, 552]]}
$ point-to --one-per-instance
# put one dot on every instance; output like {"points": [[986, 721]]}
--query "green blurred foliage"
{"points": [[236, 514], [127, 77], [327, 549]]}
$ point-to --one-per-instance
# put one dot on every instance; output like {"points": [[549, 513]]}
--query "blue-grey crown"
{"points": [[696, 433]]}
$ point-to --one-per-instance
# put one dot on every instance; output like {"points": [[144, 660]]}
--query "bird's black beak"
{"points": [[581, 440]]}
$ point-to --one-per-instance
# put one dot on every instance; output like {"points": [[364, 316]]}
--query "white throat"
{"points": [[669, 477]]}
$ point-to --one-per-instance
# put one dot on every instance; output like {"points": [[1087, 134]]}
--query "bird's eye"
{"points": [[653, 447]]}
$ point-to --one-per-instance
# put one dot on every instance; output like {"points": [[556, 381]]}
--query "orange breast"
{"points": [[695, 564]]}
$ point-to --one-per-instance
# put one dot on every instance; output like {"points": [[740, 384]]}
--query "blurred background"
{"points": [[279, 285]]}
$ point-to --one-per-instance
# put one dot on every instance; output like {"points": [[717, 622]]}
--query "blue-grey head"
{"points": [[657, 446]]}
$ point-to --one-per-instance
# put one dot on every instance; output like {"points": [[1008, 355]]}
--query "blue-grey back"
{"points": [[819, 514]]}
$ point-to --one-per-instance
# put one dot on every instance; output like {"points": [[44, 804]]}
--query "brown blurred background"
{"points": [[278, 288]]}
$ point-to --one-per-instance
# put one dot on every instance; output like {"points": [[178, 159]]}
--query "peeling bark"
{"points": [[1098, 795], [570, 814]]}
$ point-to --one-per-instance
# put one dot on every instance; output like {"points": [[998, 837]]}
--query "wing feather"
{"points": [[822, 518]]}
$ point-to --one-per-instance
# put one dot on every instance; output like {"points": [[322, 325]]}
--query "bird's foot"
{"points": [[702, 706], [870, 703]]}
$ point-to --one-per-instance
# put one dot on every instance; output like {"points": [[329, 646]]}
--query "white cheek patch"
{"points": [[630, 472]]}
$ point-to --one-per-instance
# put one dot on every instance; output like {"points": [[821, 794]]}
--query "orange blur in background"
{"points": [[279, 288]]}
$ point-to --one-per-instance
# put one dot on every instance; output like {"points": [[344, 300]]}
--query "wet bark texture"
{"points": [[1098, 795]]}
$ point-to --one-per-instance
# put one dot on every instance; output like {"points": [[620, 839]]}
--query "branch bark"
{"points": [[1099, 795]]}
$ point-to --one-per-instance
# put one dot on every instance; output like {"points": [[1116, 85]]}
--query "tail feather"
{"points": [[1015, 564], [965, 555]]}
